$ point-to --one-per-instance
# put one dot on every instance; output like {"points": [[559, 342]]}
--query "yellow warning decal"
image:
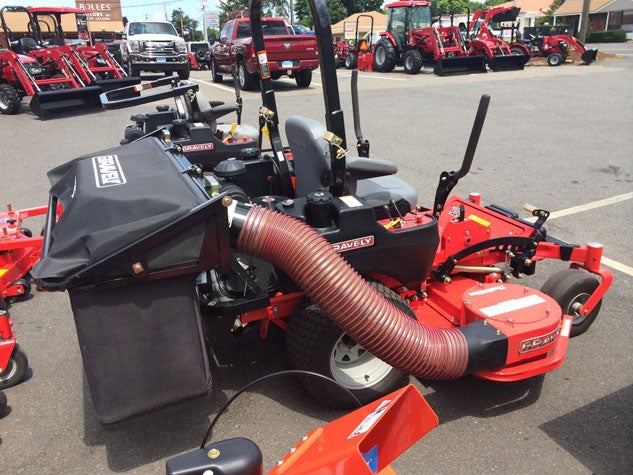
{"points": [[479, 220], [3, 271]]}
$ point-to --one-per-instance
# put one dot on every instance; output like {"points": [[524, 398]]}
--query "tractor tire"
{"points": [[351, 61], [245, 79], [16, 369], [303, 78], [315, 343], [412, 61], [555, 59], [571, 288], [215, 74], [384, 56], [10, 100], [520, 52], [184, 73]]}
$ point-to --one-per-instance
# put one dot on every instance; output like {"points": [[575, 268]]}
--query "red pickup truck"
{"points": [[287, 53]]}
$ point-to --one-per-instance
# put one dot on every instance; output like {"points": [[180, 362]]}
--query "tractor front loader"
{"points": [[412, 42]]}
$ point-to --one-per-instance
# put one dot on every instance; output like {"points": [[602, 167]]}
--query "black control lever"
{"points": [[362, 144]]}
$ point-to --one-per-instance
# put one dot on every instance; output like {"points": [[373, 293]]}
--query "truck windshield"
{"points": [[269, 28], [141, 28], [420, 17]]}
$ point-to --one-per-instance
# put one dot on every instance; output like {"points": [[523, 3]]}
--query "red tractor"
{"points": [[554, 47], [411, 41], [482, 40]]}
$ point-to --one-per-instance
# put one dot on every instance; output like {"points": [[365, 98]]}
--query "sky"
{"points": [[132, 9]]}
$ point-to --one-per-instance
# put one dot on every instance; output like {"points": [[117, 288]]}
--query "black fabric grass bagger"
{"points": [[135, 231]]}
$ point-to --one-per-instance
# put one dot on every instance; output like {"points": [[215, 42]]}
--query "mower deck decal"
{"points": [[370, 420], [512, 305], [350, 201], [479, 220], [487, 291], [357, 243]]}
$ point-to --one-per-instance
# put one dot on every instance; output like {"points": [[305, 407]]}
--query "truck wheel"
{"points": [[303, 78], [15, 370], [133, 71], [315, 343], [351, 61], [215, 74], [555, 59], [10, 99], [412, 61], [245, 79], [571, 288], [384, 56], [184, 73]]}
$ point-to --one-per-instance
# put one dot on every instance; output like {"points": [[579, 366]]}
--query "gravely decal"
{"points": [[353, 244], [197, 147], [538, 342], [108, 171]]}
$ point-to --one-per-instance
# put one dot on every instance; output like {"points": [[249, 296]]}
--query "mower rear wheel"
{"points": [[303, 78], [571, 288], [26, 286], [10, 99], [315, 343], [15, 370], [351, 61], [555, 59], [215, 74], [412, 61], [384, 56]]}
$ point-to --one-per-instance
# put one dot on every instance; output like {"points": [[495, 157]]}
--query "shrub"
{"points": [[611, 36]]}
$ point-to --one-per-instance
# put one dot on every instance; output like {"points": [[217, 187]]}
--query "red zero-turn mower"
{"points": [[19, 250], [369, 285]]}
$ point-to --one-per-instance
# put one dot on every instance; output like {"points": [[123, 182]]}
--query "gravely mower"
{"points": [[94, 62], [411, 41], [481, 41], [19, 250]]}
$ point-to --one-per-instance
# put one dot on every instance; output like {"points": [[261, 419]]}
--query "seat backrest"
{"points": [[310, 153], [28, 44]]}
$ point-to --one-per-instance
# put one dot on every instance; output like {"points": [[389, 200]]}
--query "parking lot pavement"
{"points": [[620, 49], [558, 138]]}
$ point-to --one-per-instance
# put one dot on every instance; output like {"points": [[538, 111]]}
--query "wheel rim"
{"points": [[574, 306], [354, 367], [380, 55], [12, 369], [4, 101]]}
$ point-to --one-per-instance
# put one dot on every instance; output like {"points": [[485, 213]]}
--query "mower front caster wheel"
{"points": [[26, 289], [315, 343], [16, 369], [571, 288]]}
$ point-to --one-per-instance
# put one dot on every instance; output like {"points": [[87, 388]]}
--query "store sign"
{"points": [[101, 11]]}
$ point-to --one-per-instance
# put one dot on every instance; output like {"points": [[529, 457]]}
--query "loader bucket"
{"points": [[46, 103], [589, 56], [511, 62], [117, 83], [460, 65]]}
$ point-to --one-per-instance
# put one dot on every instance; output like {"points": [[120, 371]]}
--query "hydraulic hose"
{"points": [[343, 295]]}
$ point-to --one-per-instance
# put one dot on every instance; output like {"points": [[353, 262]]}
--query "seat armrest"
{"points": [[361, 168]]}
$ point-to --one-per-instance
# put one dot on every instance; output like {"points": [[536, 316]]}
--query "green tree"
{"points": [[304, 13], [183, 24], [356, 6], [549, 13]]}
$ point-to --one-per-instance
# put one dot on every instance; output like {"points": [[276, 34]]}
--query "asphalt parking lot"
{"points": [[559, 138]]}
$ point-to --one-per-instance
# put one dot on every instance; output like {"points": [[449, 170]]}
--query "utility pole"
{"points": [[203, 4], [584, 20], [182, 29]]}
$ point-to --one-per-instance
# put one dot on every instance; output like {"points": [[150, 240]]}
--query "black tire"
{"points": [[412, 61], [313, 342], [571, 288], [245, 79], [132, 71], [384, 56], [184, 73], [520, 52], [200, 56], [215, 74], [303, 78], [16, 369], [27, 289], [132, 133], [351, 61], [10, 100], [555, 59], [3, 403]]}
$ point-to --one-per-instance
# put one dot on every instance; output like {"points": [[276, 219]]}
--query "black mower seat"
{"points": [[26, 45], [369, 178]]}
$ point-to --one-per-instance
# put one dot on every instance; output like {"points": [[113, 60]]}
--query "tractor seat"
{"points": [[26, 45], [369, 178]]}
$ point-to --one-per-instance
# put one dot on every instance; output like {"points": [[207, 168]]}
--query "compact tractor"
{"points": [[481, 40], [368, 284], [359, 52], [412, 42]]}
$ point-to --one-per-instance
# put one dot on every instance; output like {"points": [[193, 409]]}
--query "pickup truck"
{"points": [[294, 55], [154, 46]]}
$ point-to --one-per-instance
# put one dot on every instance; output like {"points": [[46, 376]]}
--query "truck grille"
{"points": [[159, 47]]}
